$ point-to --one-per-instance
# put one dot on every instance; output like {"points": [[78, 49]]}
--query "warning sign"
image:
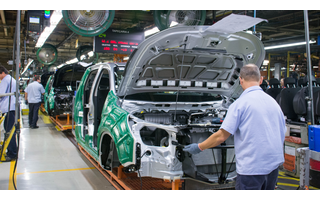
{"points": [[289, 158], [289, 162]]}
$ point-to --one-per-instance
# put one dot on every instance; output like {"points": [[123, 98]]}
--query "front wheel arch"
{"points": [[108, 153]]}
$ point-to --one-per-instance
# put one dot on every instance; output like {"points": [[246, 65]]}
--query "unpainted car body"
{"points": [[176, 89], [60, 89]]}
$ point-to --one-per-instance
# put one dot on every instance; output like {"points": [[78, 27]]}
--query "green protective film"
{"points": [[45, 96], [114, 120]]}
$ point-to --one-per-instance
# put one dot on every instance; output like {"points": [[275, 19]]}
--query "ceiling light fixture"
{"points": [[61, 65], [54, 21], [72, 61], [288, 45], [173, 23], [265, 62]]}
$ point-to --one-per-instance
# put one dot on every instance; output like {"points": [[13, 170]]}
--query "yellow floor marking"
{"points": [[296, 179], [46, 119], [61, 170], [282, 173], [288, 184], [296, 186], [25, 111], [58, 129], [11, 187]]}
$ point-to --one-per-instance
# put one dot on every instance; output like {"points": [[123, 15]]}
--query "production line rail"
{"points": [[63, 122], [126, 181], [119, 179], [131, 181]]}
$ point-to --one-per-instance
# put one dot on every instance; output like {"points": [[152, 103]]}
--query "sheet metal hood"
{"points": [[191, 58]]}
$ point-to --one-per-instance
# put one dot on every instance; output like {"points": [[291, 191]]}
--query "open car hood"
{"points": [[68, 75], [191, 58]]}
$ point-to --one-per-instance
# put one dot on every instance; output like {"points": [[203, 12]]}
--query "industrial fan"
{"points": [[88, 23], [166, 18], [47, 54], [85, 54]]}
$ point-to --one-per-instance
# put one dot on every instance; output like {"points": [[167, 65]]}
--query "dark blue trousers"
{"points": [[33, 113], [8, 124], [257, 182]]}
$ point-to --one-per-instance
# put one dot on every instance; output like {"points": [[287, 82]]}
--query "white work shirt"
{"points": [[5, 88], [34, 90], [258, 125]]}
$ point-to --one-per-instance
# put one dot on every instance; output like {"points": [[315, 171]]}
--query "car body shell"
{"points": [[59, 90], [147, 135]]}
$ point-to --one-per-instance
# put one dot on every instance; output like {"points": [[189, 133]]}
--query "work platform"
{"points": [[130, 181], [62, 122]]}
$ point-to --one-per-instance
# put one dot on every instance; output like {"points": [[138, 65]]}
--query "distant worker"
{"points": [[4, 106], [33, 95], [282, 83], [258, 138]]}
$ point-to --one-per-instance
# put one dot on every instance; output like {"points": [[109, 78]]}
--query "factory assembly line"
{"points": [[142, 123]]}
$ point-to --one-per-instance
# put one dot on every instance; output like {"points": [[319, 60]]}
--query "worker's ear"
{"points": [[261, 79]]}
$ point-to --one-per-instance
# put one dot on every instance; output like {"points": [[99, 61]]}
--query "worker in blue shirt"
{"points": [[33, 94], [258, 125], [5, 87]]}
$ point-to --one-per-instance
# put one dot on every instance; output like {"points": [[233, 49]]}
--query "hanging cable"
{"points": [[230, 165], [148, 153], [214, 158]]}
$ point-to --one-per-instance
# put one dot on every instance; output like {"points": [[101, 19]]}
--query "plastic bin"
{"points": [[314, 137]]}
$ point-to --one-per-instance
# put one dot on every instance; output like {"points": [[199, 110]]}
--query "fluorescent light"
{"points": [[288, 45], [54, 21], [173, 23], [72, 61], [59, 66], [90, 54], [29, 63], [151, 31], [126, 58], [265, 62]]}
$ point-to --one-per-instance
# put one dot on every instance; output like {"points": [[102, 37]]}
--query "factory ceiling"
{"points": [[283, 26]]}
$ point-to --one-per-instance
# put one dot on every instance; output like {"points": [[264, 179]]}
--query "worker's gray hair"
{"points": [[250, 72]]}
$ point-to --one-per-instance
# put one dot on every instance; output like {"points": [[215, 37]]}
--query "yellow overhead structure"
{"points": [[288, 61], [269, 58]]}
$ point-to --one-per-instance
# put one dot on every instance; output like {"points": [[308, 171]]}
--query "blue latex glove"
{"points": [[192, 148]]}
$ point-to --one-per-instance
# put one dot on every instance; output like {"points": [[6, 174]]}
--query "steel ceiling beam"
{"points": [[3, 19]]}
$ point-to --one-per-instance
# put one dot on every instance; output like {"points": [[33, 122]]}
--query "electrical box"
{"points": [[34, 21], [314, 137]]}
